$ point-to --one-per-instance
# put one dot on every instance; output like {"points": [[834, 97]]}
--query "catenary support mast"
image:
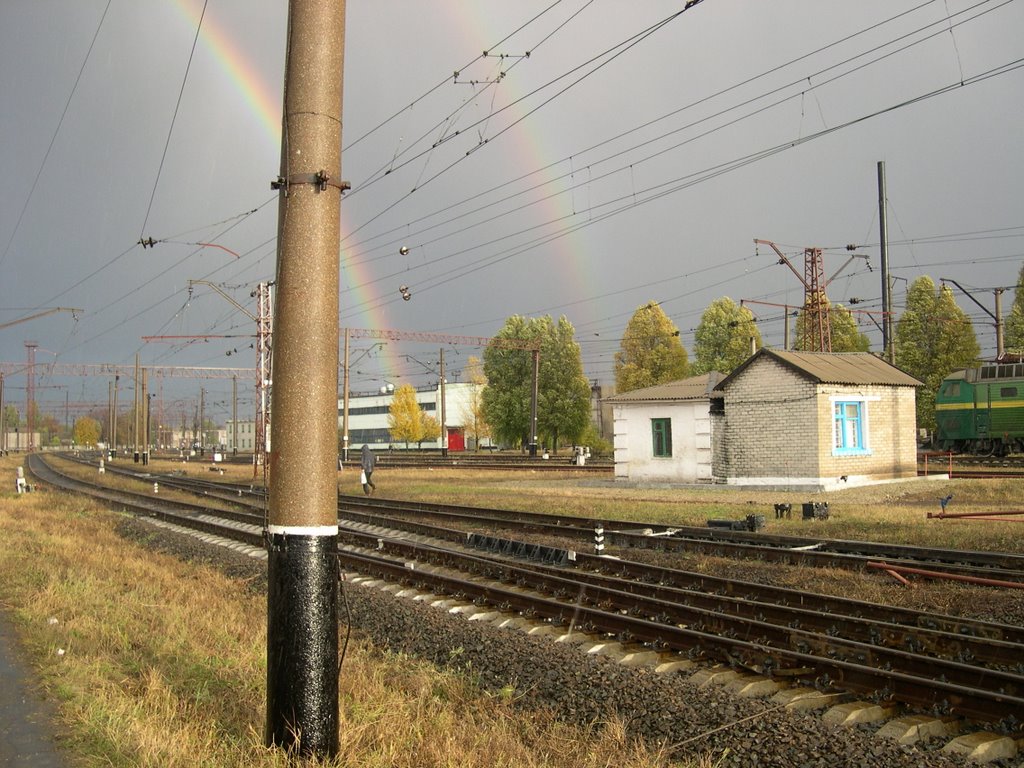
{"points": [[302, 534]]}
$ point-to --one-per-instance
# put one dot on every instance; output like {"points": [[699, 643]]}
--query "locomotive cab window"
{"points": [[849, 427], [661, 434]]}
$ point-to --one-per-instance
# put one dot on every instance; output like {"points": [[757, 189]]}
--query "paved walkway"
{"points": [[27, 723]]}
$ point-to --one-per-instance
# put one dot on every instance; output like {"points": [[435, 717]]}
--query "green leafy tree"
{"points": [[405, 417], [1013, 336], [934, 337], [509, 373], [86, 431], [651, 352], [563, 402], [473, 417], [722, 339]]}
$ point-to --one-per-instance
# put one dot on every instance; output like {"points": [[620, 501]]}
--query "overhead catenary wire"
{"points": [[53, 139], [174, 117], [672, 186], [449, 275], [630, 164], [819, 49], [625, 45]]}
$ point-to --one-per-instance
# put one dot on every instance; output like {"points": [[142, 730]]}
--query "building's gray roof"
{"points": [[694, 388], [833, 368]]}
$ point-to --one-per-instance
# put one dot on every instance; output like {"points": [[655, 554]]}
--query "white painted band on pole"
{"points": [[302, 530]]}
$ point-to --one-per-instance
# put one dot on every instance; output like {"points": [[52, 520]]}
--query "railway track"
{"points": [[934, 663], [791, 550]]}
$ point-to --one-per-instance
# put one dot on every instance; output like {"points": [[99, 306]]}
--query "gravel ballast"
{"points": [[664, 708]]}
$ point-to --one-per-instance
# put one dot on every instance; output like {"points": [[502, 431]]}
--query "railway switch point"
{"points": [[857, 712], [914, 728], [982, 747]]}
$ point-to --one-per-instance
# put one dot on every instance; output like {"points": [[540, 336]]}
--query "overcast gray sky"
{"points": [[623, 160]]}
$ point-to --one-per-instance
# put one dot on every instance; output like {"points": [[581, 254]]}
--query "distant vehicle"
{"points": [[981, 410]]}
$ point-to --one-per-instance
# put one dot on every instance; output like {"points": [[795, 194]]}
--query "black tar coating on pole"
{"points": [[302, 644]]}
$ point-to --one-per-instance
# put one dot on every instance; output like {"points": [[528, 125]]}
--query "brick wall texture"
{"points": [[778, 424]]}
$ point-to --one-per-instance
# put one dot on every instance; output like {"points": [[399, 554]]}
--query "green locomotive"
{"points": [[981, 410]]}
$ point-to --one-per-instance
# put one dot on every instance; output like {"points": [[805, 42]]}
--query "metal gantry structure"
{"points": [[264, 319], [816, 332]]}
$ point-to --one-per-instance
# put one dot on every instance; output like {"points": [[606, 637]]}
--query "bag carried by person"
{"points": [[362, 477]]}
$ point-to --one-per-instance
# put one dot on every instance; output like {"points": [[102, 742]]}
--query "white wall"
{"points": [[691, 442]]}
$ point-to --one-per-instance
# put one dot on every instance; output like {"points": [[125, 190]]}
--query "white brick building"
{"points": [[664, 433]]}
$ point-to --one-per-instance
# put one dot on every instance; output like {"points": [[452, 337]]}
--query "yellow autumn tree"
{"points": [[431, 428], [86, 431], [405, 417]]}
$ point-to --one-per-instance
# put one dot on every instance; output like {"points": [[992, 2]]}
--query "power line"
{"points": [[53, 139], [174, 117]]}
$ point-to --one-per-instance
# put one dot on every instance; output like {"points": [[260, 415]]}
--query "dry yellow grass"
{"points": [[156, 662]]}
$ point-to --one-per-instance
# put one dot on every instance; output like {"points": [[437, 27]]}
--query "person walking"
{"points": [[368, 461]]}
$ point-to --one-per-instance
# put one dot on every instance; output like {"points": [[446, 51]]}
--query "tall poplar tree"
{"points": [[563, 409], [723, 338], [1013, 334], [934, 337], [651, 352]]}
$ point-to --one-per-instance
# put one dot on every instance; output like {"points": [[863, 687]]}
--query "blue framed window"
{"points": [[661, 433], [849, 431]]}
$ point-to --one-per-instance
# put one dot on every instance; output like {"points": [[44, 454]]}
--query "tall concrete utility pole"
{"points": [[888, 348], [135, 432], [145, 417], [444, 425], [534, 396], [302, 532], [234, 415], [30, 395], [344, 407]]}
